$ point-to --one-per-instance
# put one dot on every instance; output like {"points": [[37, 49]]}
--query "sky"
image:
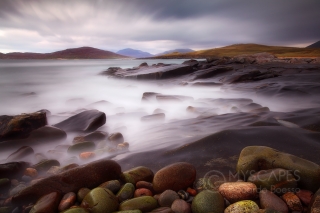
{"points": [[155, 25]]}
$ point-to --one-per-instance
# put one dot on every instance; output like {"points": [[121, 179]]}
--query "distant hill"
{"points": [[134, 53], [176, 51], [74, 53], [240, 49], [314, 45]]}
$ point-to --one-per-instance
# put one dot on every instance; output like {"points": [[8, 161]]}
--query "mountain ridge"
{"points": [[71, 53], [181, 50], [134, 53]]}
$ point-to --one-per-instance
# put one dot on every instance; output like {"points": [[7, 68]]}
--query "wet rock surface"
{"points": [[89, 175], [89, 120], [20, 126]]}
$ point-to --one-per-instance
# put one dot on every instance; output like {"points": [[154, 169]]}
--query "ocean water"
{"points": [[67, 87]]}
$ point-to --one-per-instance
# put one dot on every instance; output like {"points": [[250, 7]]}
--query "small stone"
{"points": [[116, 138], [192, 191], [82, 193], [183, 195], [208, 201], [292, 201], [14, 182], [181, 206], [53, 170], [31, 172], [112, 185], [144, 184], [244, 206], [26, 179], [129, 211], [123, 146], [305, 196], [176, 176], [272, 201], [78, 148], [144, 204], [100, 200], [17, 189], [142, 192], [126, 192], [45, 165], [237, 191], [167, 197], [67, 201], [140, 173], [86, 155], [48, 203]]}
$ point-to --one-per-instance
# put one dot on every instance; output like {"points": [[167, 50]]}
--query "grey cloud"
{"points": [[185, 23]]}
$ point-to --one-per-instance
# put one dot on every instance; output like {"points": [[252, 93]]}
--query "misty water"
{"points": [[67, 87]]}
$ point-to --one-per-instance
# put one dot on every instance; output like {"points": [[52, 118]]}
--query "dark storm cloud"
{"points": [[29, 25]]}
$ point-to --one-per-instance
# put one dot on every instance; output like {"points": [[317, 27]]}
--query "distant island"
{"points": [[243, 49], [134, 53], [74, 53], [312, 50]]}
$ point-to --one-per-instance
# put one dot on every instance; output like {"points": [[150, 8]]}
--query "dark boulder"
{"points": [[13, 169], [152, 73], [20, 126], [90, 175], [89, 120]]}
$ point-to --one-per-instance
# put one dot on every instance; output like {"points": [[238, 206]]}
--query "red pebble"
{"points": [[305, 196], [142, 192], [144, 184], [86, 155], [192, 191]]}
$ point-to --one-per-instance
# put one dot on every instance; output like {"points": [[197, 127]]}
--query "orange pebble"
{"points": [[192, 191], [31, 172], [142, 192], [86, 155]]}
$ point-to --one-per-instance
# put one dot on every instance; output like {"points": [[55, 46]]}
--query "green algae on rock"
{"points": [[140, 173], [244, 206], [208, 201], [255, 158], [144, 204], [89, 175], [100, 200]]}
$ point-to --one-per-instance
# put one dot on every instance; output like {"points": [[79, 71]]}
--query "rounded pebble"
{"points": [[237, 191], [142, 192], [167, 197], [208, 201], [181, 206], [176, 176], [244, 206]]}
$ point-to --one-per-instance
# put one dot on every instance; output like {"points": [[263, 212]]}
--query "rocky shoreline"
{"points": [[217, 162]]}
